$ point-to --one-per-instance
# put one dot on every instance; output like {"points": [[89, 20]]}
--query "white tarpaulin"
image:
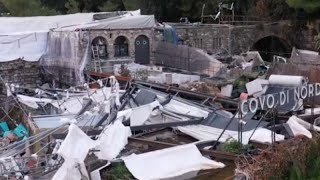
{"points": [[141, 114], [76, 145], [182, 108], [28, 46], [125, 22], [298, 129], [26, 37], [112, 140], [23, 25], [74, 149], [204, 133], [32, 101], [168, 163], [71, 170], [305, 124]]}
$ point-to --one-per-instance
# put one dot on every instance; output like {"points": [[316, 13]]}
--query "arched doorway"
{"points": [[99, 47], [121, 47], [142, 50], [270, 46]]}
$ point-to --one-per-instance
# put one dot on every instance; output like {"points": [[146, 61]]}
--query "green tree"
{"points": [[310, 6], [72, 6], [273, 9], [27, 8], [133, 4], [112, 5]]}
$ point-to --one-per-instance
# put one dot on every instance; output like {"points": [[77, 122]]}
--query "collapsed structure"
{"points": [[146, 118]]}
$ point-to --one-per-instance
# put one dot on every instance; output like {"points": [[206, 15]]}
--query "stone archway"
{"points": [[272, 45], [121, 46], [142, 50], [99, 46]]}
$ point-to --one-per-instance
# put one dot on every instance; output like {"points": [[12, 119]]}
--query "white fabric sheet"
{"points": [[76, 145], [74, 150], [22, 25], [26, 37], [125, 22], [167, 163], [298, 129], [204, 133], [112, 140], [182, 108], [28, 47], [32, 101], [71, 170], [141, 114], [305, 124]]}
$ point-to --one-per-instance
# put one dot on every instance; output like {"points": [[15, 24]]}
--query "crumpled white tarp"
{"points": [[139, 115], [168, 163], [69, 106], [32, 101], [182, 108], [297, 128], [305, 124], [204, 133], [76, 145], [70, 170], [112, 140], [74, 149], [73, 105]]}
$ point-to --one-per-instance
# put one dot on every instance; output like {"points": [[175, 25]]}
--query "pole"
{"points": [[202, 13]]}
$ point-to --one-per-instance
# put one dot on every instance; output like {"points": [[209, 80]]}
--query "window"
{"points": [[121, 47], [99, 46]]}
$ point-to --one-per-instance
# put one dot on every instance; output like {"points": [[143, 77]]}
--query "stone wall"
{"points": [[216, 38], [212, 38], [20, 72], [130, 34]]}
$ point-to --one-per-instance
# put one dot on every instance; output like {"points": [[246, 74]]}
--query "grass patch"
{"points": [[118, 172]]}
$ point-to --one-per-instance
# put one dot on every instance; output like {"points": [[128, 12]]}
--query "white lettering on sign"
{"points": [[282, 98], [268, 101]]}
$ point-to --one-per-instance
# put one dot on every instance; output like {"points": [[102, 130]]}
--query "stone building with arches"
{"points": [[124, 44], [99, 45]]}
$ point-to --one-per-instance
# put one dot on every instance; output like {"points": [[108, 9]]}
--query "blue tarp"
{"points": [[170, 35]]}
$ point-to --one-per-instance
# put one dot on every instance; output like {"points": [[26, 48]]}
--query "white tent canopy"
{"points": [[27, 37], [27, 25], [121, 22]]}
